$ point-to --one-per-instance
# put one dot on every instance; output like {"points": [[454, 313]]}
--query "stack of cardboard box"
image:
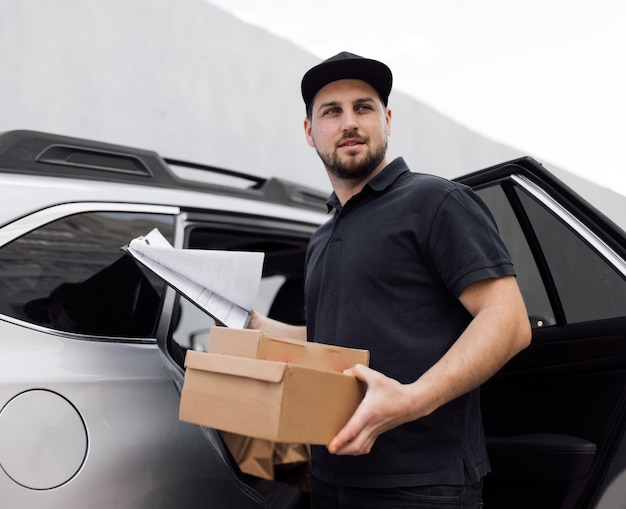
{"points": [[277, 390]]}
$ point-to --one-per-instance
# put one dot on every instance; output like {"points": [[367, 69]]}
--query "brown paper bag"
{"points": [[258, 457]]}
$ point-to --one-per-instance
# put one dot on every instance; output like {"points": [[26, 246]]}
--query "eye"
{"points": [[363, 107], [331, 111]]}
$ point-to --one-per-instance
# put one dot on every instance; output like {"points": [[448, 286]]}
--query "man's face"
{"points": [[348, 127]]}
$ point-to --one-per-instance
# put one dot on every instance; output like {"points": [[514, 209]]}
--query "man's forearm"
{"points": [[276, 328], [475, 357]]}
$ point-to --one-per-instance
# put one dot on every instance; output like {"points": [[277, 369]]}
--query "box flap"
{"points": [[268, 371]]}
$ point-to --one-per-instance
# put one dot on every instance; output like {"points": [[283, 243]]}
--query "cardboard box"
{"points": [[269, 399], [258, 345]]}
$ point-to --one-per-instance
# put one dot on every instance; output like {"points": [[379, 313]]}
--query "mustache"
{"points": [[352, 135]]}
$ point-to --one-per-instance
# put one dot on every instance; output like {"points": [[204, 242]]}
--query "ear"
{"points": [[307, 132], [388, 121]]}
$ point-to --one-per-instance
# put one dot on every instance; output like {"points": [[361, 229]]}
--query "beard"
{"points": [[354, 167]]}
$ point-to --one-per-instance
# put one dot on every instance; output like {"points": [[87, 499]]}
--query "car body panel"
{"points": [[128, 400]]}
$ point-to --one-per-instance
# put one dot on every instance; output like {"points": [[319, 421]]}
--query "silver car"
{"points": [[92, 345]]}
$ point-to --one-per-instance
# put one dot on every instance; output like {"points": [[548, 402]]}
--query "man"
{"points": [[410, 267]]}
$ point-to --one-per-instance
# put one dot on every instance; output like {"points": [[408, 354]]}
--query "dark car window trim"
{"points": [[534, 245], [78, 336]]}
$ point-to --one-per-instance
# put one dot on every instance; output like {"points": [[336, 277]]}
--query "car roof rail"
{"points": [[33, 152], [258, 181]]}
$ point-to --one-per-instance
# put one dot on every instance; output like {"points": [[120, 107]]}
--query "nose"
{"points": [[349, 122]]}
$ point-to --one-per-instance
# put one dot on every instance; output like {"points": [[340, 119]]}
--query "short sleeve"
{"points": [[465, 245]]}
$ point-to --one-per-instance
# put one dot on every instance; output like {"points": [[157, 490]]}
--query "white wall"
{"points": [[190, 81]]}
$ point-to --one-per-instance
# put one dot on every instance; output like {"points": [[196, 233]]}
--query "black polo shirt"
{"points": [[385, 274]]}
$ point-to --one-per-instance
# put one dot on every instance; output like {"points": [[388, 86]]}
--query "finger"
{"points": [[349, 434], [345, 436], [359, 371], [361, 444], [354, 438]]}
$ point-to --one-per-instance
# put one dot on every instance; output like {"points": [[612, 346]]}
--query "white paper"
{"points": [[223, 283]]}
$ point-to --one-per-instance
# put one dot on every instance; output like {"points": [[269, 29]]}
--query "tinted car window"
{"points": [[586, 286], [70, 275]]}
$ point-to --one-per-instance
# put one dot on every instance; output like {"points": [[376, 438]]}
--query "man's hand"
{"points": [[276, 328], [385, 406]]}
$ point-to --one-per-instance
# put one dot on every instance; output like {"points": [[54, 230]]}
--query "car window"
{"points": [[588, 286], [560, 275], [70, 275]]}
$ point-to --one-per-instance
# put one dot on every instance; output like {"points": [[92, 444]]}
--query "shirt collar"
{"points": [[379, 182]]}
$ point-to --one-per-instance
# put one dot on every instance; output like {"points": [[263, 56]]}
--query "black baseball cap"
{"points": [[343, 66]]}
